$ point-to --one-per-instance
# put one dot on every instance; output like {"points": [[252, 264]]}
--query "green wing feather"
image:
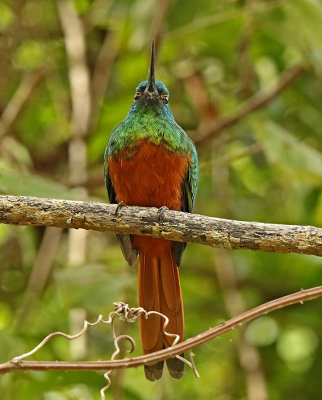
{"points": [[189, 190]]}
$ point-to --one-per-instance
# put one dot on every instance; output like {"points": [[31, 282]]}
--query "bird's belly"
{"points": [[148, 175]]}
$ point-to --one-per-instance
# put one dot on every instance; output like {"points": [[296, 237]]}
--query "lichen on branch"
{"points": [[175, 225]]}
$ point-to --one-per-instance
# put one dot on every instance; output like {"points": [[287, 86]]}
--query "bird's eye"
{"points": [[137, 95], [165, 98]]}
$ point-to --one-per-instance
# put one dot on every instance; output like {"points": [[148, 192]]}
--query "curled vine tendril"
{"points": [[125, 313]]}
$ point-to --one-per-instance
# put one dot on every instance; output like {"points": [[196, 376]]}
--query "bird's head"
{"points": [[151, 90]]}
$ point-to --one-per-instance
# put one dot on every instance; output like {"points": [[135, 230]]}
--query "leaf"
{"points": [[289, 153], [23, 184], [304, 17]]}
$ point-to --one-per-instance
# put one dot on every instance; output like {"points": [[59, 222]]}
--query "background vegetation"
{"points": [[68, 72]]}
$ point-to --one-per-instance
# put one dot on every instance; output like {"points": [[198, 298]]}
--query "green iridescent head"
{"points": [[152, 90]]}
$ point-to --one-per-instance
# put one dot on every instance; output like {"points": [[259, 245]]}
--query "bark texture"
{"points": [[174, 225]]}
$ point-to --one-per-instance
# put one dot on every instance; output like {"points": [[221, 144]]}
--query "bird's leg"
{"points": [[118, 207], [161, 212]]}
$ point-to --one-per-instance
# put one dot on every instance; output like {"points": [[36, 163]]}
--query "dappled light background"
{"points": [[68, 73]]}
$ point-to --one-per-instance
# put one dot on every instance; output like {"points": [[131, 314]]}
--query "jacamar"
{"points": [[150, 161]]}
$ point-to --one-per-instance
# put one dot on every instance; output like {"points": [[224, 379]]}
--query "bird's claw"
{"points": [[118, 207], [161, 212]]}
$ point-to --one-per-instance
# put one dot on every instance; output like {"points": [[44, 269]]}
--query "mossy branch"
{"points": [[174, 225]]}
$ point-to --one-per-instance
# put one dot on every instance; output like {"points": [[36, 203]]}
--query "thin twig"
{"points": [[125, 313], [211, 20], [202, 23], [298, 297], [20, 99], [228, 158], [259, 100], [177, 226]]}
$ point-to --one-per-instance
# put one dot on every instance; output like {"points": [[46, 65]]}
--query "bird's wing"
{"points": [[189, 189], [109, 186]]}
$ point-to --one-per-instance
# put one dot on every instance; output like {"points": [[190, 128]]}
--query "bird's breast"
{"points": [[148, 175]]}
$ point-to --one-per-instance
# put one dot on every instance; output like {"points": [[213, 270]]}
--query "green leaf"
{"points": [[6, 17], [23, 184], [304, 17], [286, 151], [30, 54]]}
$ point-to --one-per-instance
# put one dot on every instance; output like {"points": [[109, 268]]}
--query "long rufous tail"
{"points": [[159, 290]]}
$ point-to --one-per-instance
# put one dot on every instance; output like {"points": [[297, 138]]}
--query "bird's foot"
{"points": [[161, 212], [118, 207]]}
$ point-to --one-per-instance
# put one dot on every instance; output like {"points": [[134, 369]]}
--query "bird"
{"points": [[150, 161]]}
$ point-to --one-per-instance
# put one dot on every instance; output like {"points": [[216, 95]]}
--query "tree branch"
{"points": [[20, 98], [299, 297], [204, 22], [259, 100], [175, 225]]}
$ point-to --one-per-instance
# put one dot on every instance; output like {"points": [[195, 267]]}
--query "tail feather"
{"points": [[171, 299], [151, 336], [159, 290]]}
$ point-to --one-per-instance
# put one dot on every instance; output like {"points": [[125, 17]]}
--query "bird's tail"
{"points": [[159, 290]]}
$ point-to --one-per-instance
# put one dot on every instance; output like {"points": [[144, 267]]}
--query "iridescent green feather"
{"points": [[154, 120]]}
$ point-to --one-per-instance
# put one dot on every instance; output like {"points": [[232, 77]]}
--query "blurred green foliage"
{"points": [[235, 49]]}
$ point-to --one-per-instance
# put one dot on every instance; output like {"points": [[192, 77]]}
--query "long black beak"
{"points": [[151, 88]]}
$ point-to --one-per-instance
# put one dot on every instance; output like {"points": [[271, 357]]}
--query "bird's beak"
{"points": [[151, 90]]}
